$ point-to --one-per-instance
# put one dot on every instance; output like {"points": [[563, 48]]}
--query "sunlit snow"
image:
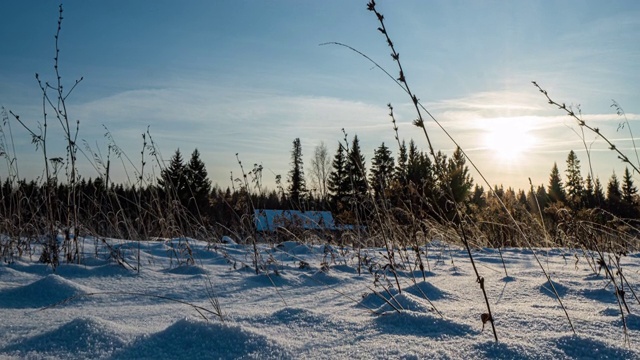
{"points": [[309, 301]]}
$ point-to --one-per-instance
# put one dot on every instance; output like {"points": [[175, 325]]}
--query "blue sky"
{"points": [[248, 77]]}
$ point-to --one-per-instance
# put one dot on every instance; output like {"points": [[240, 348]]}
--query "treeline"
{"points": [[408, 187]]}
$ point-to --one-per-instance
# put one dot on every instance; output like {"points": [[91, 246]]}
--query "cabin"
{"points": [[283, 223], [271, 220]]}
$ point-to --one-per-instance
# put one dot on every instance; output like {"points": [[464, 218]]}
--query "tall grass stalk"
{"points": [[419, 122]]}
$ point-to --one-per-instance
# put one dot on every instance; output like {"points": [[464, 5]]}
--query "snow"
{"points": [[312, 303]]}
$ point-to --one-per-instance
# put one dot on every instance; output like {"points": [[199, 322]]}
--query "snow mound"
{"points": [[194, 339], [324, 278], [582, 347], [408, 322], [424, 288], [344, 268], [492, 350], [86, 338], [546, 289], [7, 274], [186, 270], [600, 294], [405, 301], [270, 279], [633, 322], [44, 292], [296, 316], [228, 240], [289, 246], [373, 300], [104, 269], [612, 311]]}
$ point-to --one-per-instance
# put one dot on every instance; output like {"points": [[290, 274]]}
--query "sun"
{"points": [[508, 138]]}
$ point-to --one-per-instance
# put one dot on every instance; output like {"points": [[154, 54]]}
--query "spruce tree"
{"points": [[199, 185], [338, 182], [589, 192], [537, 197], [297, 185], [614, 196], [402, 167], [459, 178], [420, 170], [382, 166], [357, 171], [598, 193], [173, 180], [556, 190], [574, 186], [478, 197], [629, 192]]}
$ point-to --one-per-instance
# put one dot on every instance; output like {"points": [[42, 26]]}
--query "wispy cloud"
{"points": [[221, 121]]}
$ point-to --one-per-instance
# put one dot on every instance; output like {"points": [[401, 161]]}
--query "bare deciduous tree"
{"points": [[320, 168]]}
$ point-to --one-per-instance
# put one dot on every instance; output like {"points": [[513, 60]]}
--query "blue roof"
{"points": [[271, 220]]}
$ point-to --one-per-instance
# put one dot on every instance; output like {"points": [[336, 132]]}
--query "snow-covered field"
{"points": [[299, 311]]}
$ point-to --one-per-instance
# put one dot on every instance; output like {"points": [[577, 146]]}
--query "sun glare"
{"points": [[508, 138]]}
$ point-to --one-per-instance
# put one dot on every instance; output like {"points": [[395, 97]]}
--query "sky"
{"points": [[248, 77]]}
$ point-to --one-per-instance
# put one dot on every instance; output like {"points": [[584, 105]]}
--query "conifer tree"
{"points": [[459, 178], [478, 196], [420, 170], [556, 190], [382, 166], [199, 185], [614, 196], [589, 192], [357, 171], [598, 193], [297, 185], [537, 197], [338, 182], [401, 169], [574, 186], [522, 199], [629, 192], [173, 181]]}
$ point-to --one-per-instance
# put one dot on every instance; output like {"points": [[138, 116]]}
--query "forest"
{"points": [[413, 190]]}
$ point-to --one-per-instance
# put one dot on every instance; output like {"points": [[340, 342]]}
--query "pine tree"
{"points": [[297, 185], [382, 166], [199, 185], [556, 190], [574, 186]]}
